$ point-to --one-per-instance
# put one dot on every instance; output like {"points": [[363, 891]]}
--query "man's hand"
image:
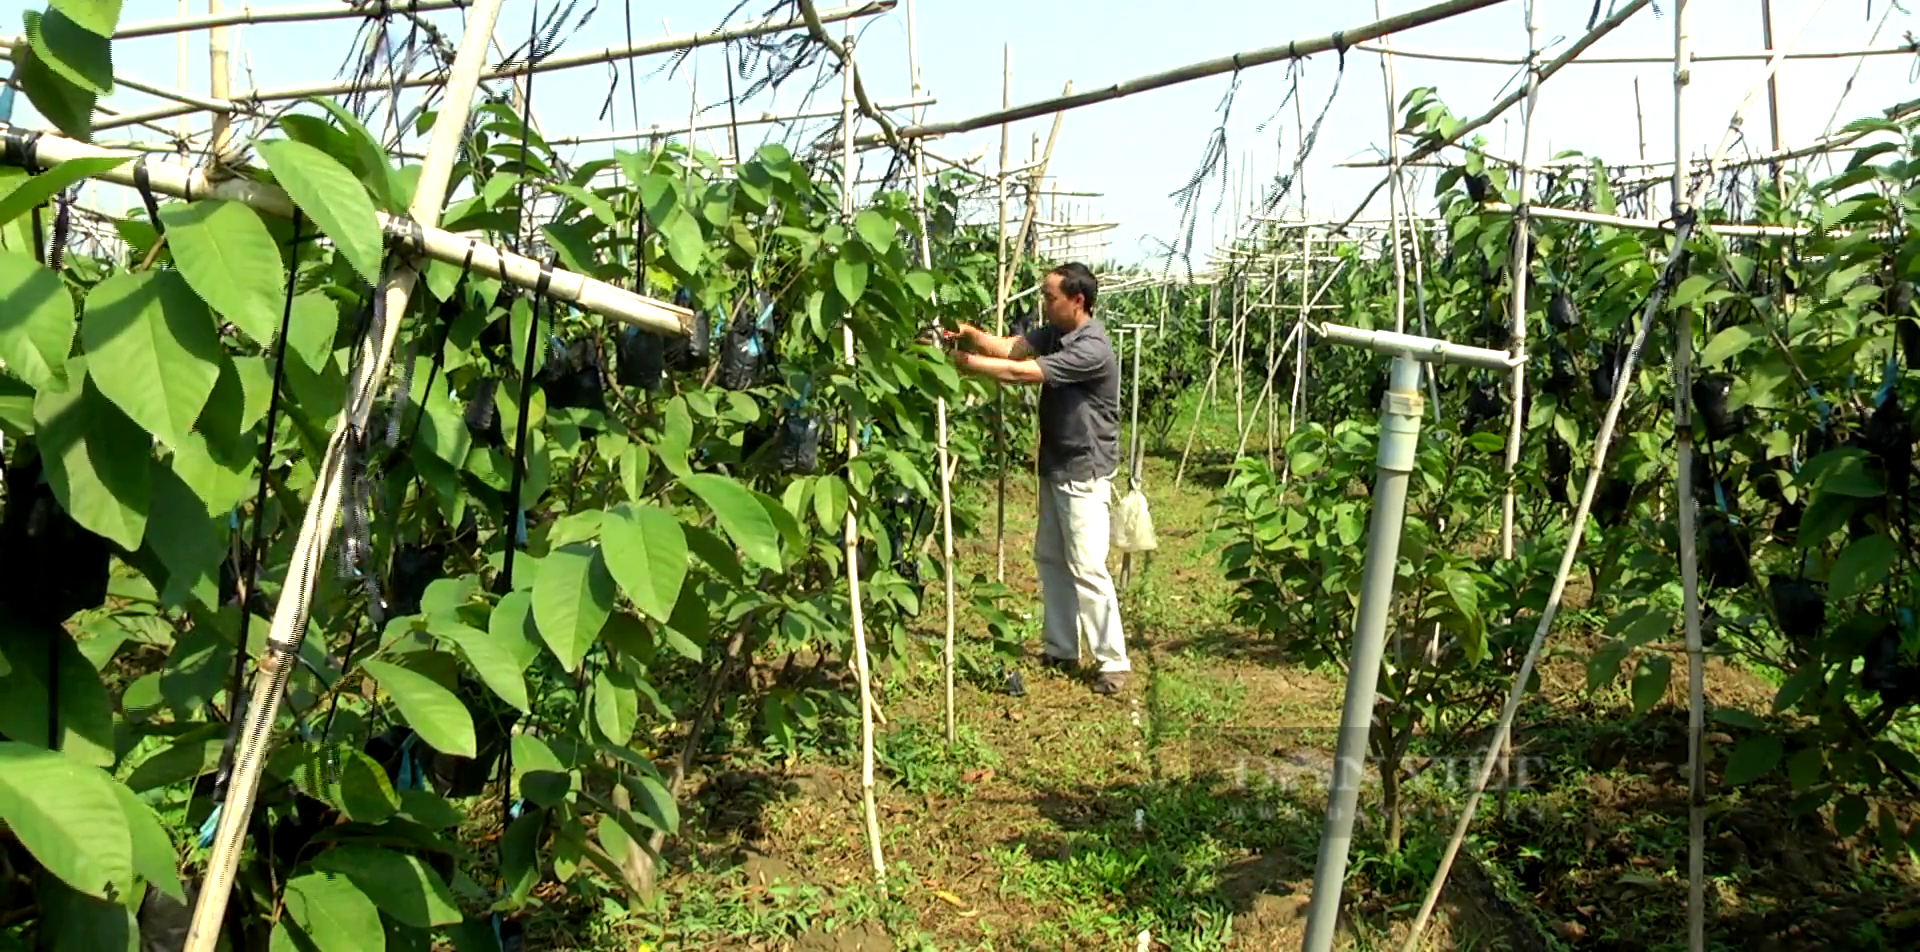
{"points": [[969, 336]]}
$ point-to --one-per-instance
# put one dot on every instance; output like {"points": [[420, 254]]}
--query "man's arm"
{"points": [[990, 345], [1020, 370]]}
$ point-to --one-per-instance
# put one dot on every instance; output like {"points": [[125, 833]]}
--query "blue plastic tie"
{"points": [[519, 806], [1906, 617], [866, 434], [6, 101], [233, 519], [520, 527], [1887, 377], [208, 827], [411, 776]]}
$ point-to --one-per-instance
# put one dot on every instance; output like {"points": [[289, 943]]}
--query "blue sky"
{"points": [[1138, 150]]}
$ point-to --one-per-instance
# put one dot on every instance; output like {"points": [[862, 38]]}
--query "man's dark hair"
{"points": [[1077, 278]]}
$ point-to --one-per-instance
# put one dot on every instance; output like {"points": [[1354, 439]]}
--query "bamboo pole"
{"points": [[45, 150], [1689, 561], [505, 70], [1639, 119], [1517, 294], [221, 78], [309, 552], [1433, 146], [1773, 89], [861, 663], [1039, 171], [1004, 278], [183, 127], [769, 118], [1645, 59], [1647, 224], [948, 658], [186, 22], [1294, 49], [1393, 187]]}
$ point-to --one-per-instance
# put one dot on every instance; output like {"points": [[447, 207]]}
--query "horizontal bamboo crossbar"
{"points": [[39, 151], [508, 70], [1294, 49], [1664, 59], [251, 15]]}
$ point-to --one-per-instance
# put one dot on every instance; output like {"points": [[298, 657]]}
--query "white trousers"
{"points": [[1070, 550]]}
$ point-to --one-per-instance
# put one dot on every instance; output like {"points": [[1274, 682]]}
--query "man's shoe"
{"points": [[1063, 665], [1109, 682]]}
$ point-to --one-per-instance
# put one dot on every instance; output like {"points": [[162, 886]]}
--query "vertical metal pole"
{"points": [[1399, 442]]}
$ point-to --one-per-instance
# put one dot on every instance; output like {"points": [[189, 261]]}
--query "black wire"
{"points": [[243, 584]]}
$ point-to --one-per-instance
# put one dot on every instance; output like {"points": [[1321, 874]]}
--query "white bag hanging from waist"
{"points": [[1133, 523]]}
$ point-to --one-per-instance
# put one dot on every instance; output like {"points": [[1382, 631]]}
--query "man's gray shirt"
{"points": [[1079, 402]]}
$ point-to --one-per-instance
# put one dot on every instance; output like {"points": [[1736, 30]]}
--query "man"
{"points": [[1071, 358]]}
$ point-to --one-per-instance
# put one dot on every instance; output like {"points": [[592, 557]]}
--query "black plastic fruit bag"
{"points": [[1562, 315], [50, 567], [1610, 500], [414, 567], [799, 442], [690, 352], [482, 422], [1799, 604], [571, 377], [640, 358], [1723, 552], [1710, 395], [744, 351]]}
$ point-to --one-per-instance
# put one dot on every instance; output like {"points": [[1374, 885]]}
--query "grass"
{"points": [[1189, 806]]}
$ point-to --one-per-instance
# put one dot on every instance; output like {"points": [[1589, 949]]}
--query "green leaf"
{"points": [[191, 756], [312, 327], [435, 712], [686, 244], [572, 597], [1691, 289], [920, 283], [830, 504], [1849, 815], [849, 278], [154, 857], [96, 460], [1862, 566], [228, 256], [491, 656], [326, 912], [1730, 342], [86, 709], [368, 158], [658, 805], [543, 778], [1753, 758], [68, 816], [646, 552], [348, 779], [71, 51], [152, 350], [740, 515], [67, 106], [36, 322], [512, 625], [1650, 681], [189, 541], [98, 17], [616, 705], [874, 229], [332, 198], [41, 187], [401, 885]]}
